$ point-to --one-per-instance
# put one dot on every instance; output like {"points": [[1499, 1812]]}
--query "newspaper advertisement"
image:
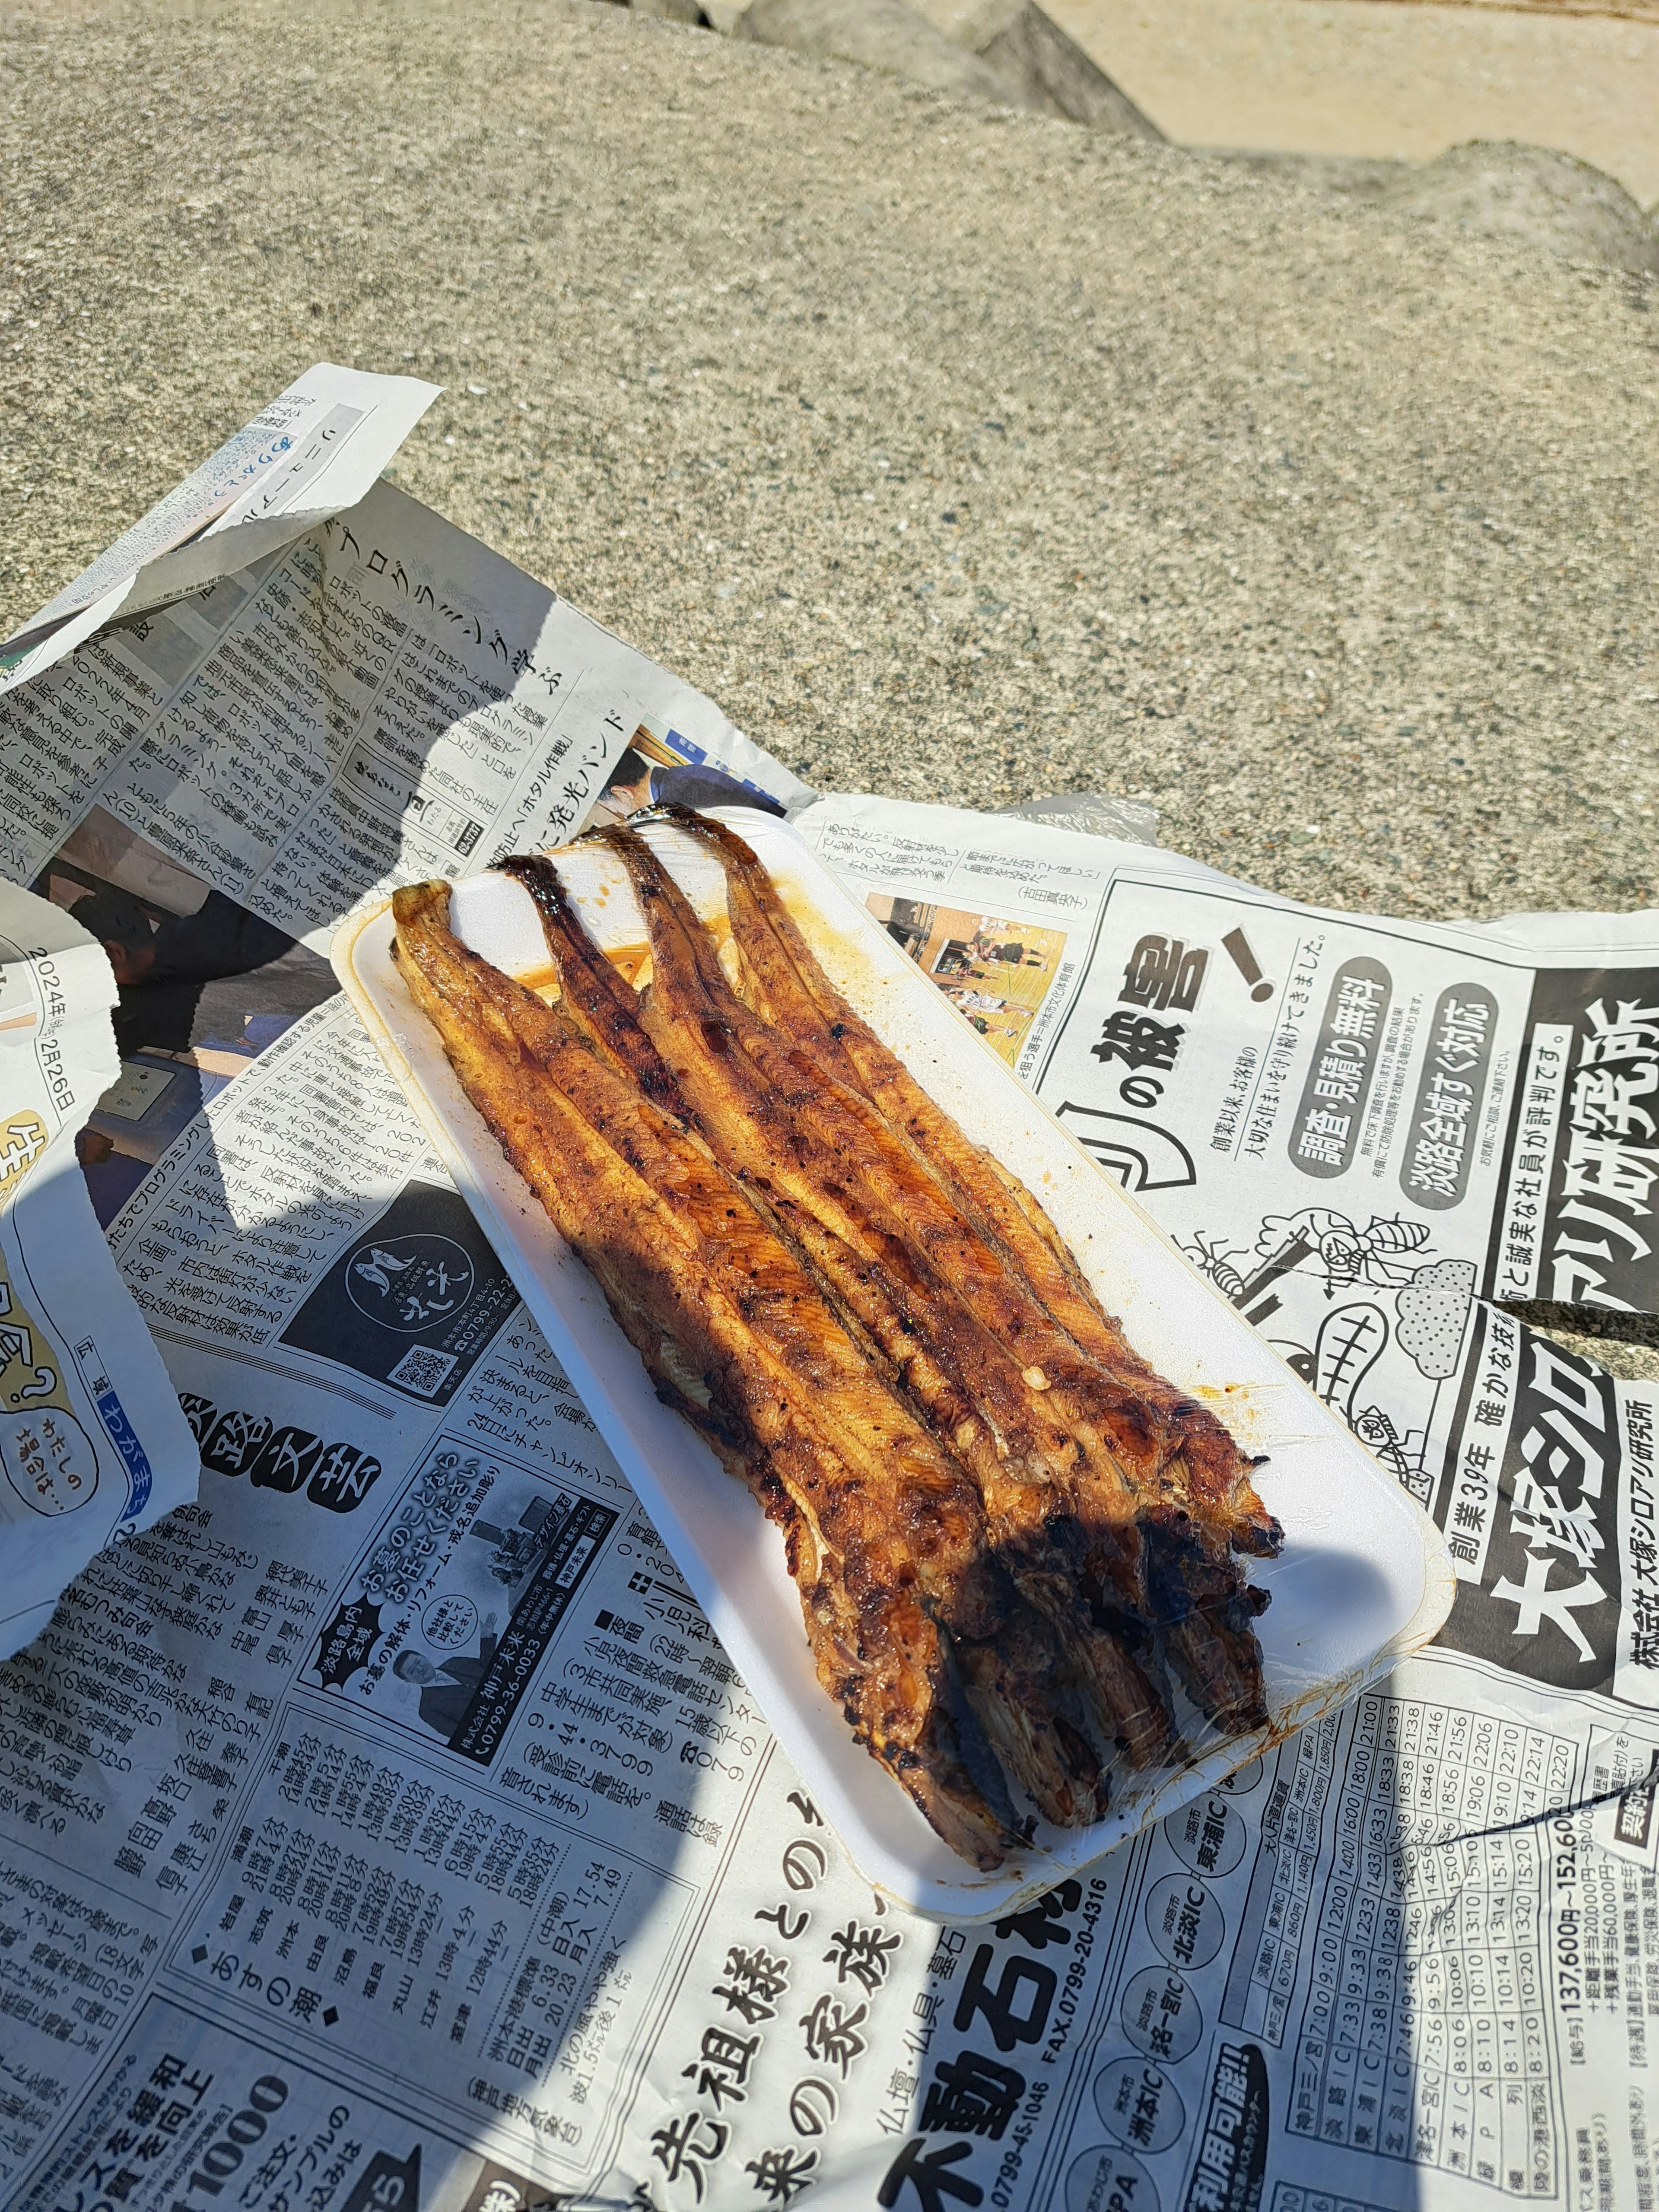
{"points": [[91, 1440], [390, 1830], [387, 1829]]}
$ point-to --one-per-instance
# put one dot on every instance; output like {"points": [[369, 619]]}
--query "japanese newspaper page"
{"points": [[1361, 1130], [386, 1829], [376, 699], [422, 1847]]}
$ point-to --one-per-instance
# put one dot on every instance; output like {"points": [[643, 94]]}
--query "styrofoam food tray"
{"points": [[1363, 1578]]}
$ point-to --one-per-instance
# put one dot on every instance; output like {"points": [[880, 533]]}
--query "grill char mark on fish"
{"points": [[1054, 1766], [592, 989], [887, 1547], [982, 1363]]}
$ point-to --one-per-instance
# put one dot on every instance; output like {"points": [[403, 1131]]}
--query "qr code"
{"points": [[422, 1371]]}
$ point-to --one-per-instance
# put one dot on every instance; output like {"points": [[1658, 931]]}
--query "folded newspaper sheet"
{"points": [[378, 700], [389, 1830], [91, 1440], [317, 447]]}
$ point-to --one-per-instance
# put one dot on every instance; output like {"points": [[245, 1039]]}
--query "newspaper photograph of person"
{"points": [[659, 767], [458, 1594], [994, 972]]}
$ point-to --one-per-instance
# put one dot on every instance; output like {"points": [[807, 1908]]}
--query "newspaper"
{"points": [[317, 447], [389, 1830], [381, 701], [420, 1846], [91, 1441], [297, 708]]}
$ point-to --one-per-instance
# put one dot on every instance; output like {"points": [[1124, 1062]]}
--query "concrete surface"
{"points": [[1374, 77], [1528, 194], [878, 34], [961, 454]]}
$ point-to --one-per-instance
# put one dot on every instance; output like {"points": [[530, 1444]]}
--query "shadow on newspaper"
{"points": [[406, 1758], [205, 983], [440, 1810], [204, 986]]}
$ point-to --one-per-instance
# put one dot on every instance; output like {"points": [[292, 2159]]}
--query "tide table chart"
{"points": [[1424, 2034]]}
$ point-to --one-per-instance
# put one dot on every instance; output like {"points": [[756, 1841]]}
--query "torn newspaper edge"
{"points": [[1098, 813], [91, 1442]]}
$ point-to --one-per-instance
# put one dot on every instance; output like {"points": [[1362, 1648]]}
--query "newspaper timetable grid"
{"points": [[1447, 2065], [1268, 1955]]}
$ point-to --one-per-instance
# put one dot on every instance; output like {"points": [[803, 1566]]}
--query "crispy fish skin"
{"points": [[799, 998], [834, 1152], [1201, 1504], [875, 1587], [832, 1390], [1062, 1776], [1029, 1737], [1109, 1452], [885, 1242], [876, 1650]]}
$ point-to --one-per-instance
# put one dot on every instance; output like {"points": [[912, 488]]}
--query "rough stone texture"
{"points": [[1525, 194], [672, 11], [1032, 56], [960, 453], [1626, 1343], [1362, 176], [1036, 64], [1531, 194], [877, 34], [1005, 50]]}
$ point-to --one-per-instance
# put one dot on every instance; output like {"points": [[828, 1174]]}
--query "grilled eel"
{"points": [[1115, 1523], [885, 1538], [1098, 1686], [760, 1123], [1050, 1416], [787, 985], [1206, 1505]]}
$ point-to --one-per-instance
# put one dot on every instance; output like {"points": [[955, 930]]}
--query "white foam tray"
{"points": [[1363, 1578]]}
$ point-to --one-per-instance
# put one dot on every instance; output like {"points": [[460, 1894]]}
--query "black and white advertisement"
{"points": [[404, 1763], [386, 1828]]}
